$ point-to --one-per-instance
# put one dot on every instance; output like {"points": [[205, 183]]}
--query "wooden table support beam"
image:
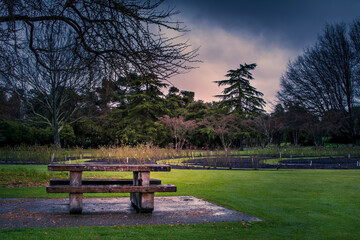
{"points": [[75, 199], [142, 202]]}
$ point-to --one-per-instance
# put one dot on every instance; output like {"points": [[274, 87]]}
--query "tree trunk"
{"points": [[56, 128], [241, 148], [57, 139]]}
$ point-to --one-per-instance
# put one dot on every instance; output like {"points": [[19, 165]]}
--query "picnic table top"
{"points": [[109, 167]]}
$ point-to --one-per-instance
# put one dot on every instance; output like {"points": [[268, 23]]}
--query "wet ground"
{"points": [[39, 212]]}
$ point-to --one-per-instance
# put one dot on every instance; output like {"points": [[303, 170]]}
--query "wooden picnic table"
{"points": [[141, 187]]}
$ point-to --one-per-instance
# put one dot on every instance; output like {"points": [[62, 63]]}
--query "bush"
{"points": [[67, 136], [16, 133]]}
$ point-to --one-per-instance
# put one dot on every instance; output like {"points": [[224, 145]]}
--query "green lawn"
{"points": [[294, 204]]}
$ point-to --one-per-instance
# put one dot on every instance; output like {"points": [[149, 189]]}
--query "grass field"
{"points": [[294, 204]]}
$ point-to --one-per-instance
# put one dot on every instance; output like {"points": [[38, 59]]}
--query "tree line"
{"points": [[53, 51], [94, 73], [325, 80], [131, 111]]}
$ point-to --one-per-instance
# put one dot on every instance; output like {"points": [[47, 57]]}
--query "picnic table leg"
{"points": [[147, 199], [75, 199], [143, 202]]}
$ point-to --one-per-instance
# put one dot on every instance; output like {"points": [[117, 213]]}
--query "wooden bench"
{"points": [[141, 187]]}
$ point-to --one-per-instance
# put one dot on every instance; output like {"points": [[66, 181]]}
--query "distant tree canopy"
{"points": [[326, 77], [319, 95], [57, 52]]}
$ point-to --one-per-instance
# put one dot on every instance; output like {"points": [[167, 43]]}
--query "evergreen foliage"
{"points": [[240, 97]]}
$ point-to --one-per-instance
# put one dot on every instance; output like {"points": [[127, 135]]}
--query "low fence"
{"points": [[228, 161], [233, 162]]}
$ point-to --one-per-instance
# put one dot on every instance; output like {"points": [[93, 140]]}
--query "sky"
{"points": [[269, 33]]}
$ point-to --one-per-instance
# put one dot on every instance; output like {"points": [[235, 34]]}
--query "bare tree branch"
{"points": [[126, 35]]}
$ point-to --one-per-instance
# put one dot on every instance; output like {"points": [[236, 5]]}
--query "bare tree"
{"points": [[54, 49], [316, 129], [265, 126], [224, 126], [326, 77], [51, 90], [121, 36], [179, 128]]}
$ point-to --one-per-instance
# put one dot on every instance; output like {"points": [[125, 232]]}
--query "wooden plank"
{"points": [[142, 202], [75, 199], [145, 178], [147, 202], [141, 178], [136, 196], [136, 181], [109, 167], [75, 203], [75, 178], [111, 189], [135, 199], [101, 182]]}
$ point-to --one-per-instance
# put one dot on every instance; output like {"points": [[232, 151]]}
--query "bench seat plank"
{"points": [[109, 167], [56, 182], [111, 189]]}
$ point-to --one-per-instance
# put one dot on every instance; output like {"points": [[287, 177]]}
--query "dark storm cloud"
{"points": [[295, 23], [269, 33]]}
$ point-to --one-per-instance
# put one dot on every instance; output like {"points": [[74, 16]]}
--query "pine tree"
{"points": [[240, 97]]}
